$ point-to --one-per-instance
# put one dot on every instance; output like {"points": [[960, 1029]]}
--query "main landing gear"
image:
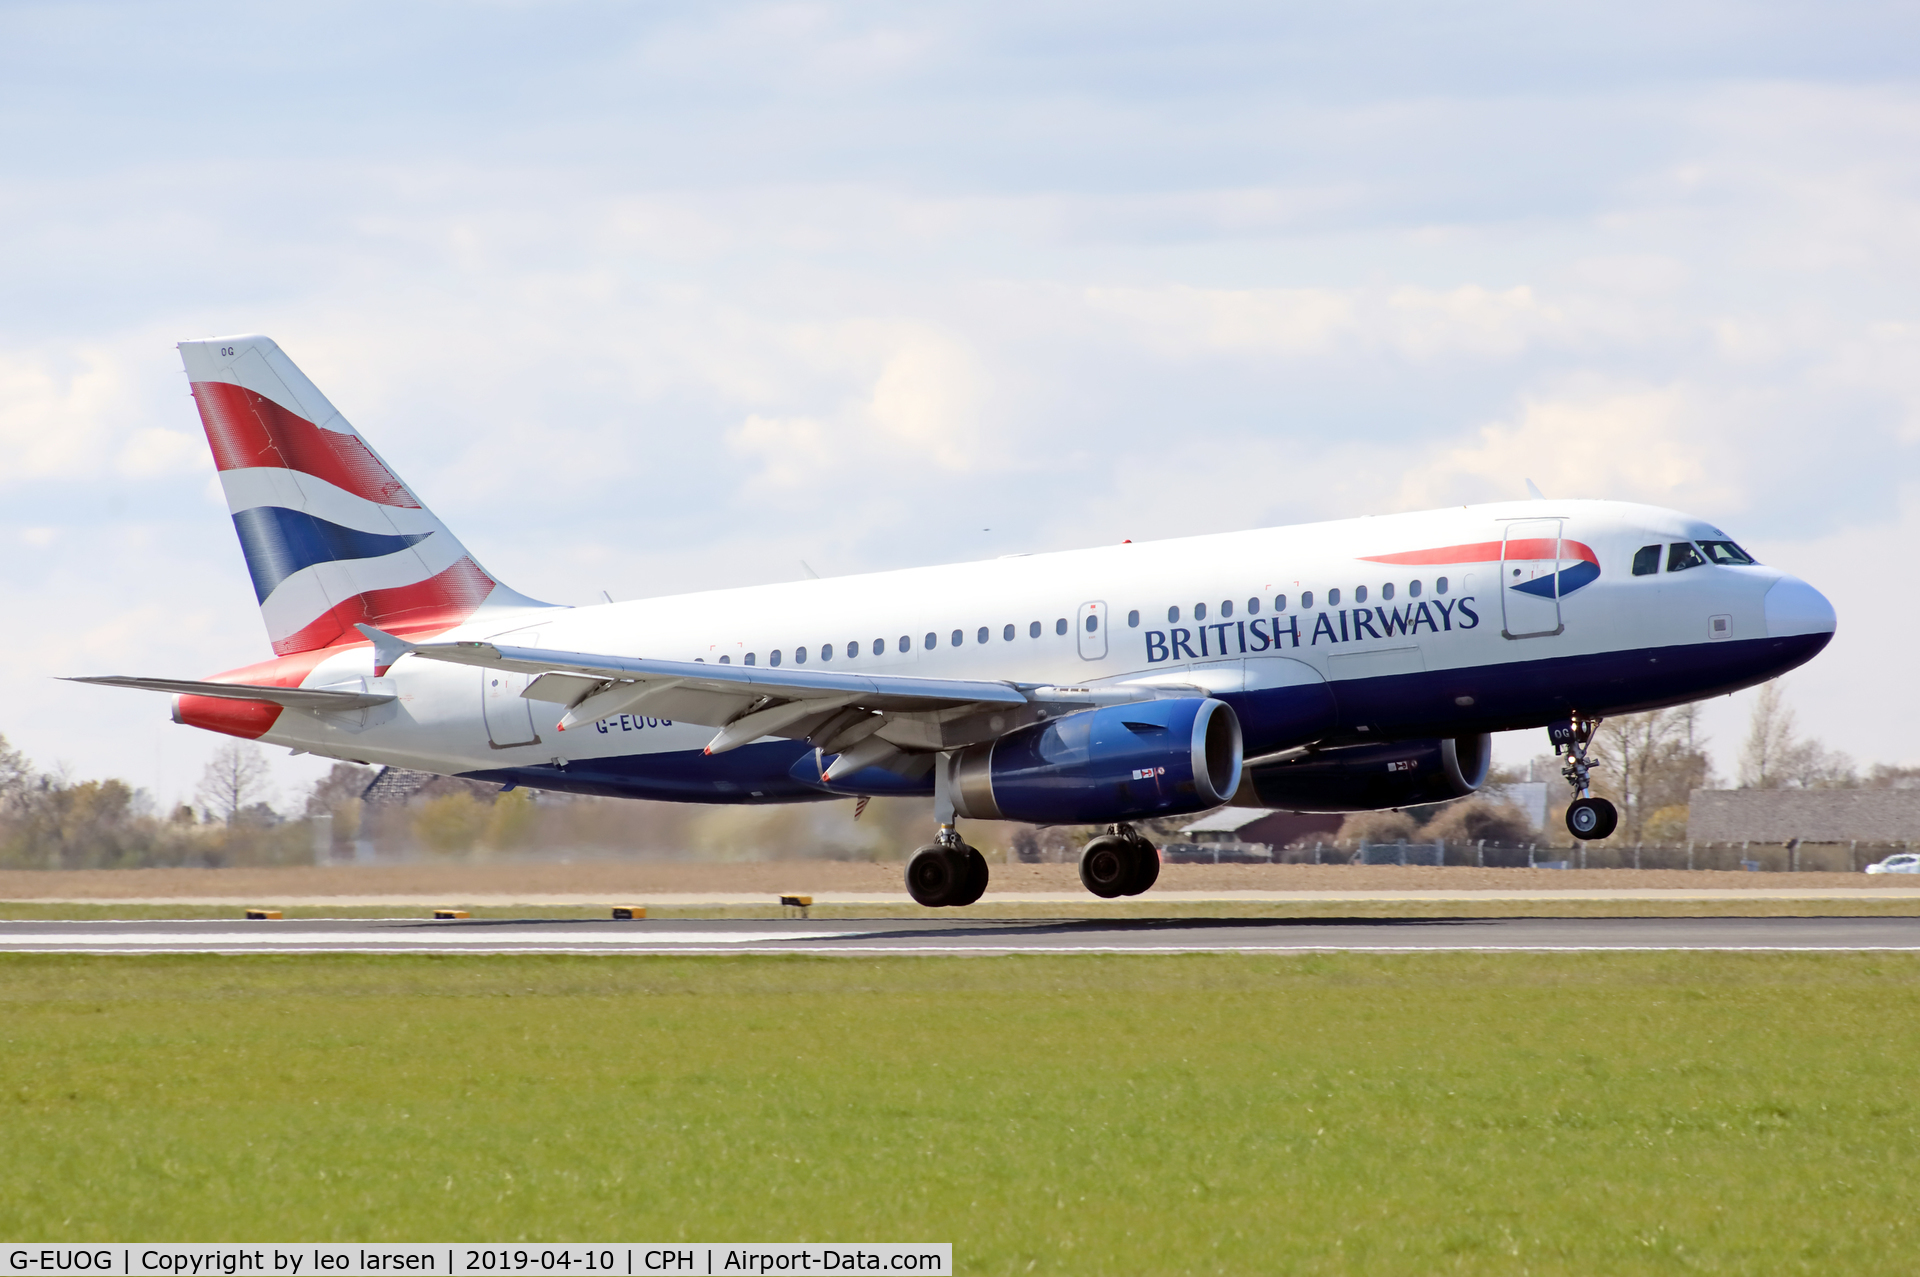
{"points": [[946, 872], [1119, 863], [1588, 818]]}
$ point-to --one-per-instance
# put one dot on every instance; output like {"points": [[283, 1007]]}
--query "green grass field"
{"points": [[1364, 1114]]}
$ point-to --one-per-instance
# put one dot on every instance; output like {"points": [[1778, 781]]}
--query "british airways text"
{"points": [[1235, 638]]}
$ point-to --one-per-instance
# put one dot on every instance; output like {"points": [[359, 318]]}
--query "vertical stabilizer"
{"points": [[331, 535]]}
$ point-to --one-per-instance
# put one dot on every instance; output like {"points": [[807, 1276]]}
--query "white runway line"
{"points": [[256, 941], [763, 899]]}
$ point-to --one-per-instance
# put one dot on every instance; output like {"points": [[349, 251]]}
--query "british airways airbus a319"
{"points": [[1338, 666]]}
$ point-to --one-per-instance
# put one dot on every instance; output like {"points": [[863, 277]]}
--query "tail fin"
{"points": [[331, 535]]}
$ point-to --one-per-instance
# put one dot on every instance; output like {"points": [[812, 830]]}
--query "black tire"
{"points": [[973, 877], [1590, 819], [933, 876], [1107, 866], [1146, 867]]}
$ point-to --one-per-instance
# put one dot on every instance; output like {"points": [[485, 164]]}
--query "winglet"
{"points": [[386, 649]]}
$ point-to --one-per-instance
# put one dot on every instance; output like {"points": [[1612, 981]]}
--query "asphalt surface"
{"points": [[958, 935]]}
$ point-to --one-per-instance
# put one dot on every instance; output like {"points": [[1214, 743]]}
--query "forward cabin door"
{"points": [[1091, 626], [1531, 557]]}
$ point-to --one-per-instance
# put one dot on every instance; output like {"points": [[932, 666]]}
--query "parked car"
{"points": [[1907, 862]]}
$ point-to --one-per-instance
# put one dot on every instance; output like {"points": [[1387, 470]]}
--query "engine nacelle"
{"points": [[1370, 777], [1125, 762]]}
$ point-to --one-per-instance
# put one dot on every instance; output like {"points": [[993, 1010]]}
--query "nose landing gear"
{"points": [[1119, 863], [1588, 818]]}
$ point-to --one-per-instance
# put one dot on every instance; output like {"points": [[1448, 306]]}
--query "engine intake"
{"points": [[1369, 777], [1125, 762]]}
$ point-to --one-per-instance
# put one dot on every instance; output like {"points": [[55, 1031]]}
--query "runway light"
{"points": [[629, 913], [263, 915], [444, 914]]}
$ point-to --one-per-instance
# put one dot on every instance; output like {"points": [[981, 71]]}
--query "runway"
{"points": [[960, 936]]}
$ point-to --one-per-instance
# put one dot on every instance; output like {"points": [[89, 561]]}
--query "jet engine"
{"points": [[1369, 777], [1124, 762]]}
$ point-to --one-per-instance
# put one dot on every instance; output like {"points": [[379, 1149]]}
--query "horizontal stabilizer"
{"points": [[319, 699]]}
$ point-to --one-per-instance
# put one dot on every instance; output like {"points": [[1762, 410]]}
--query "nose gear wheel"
{"points": [[1588, 818]]}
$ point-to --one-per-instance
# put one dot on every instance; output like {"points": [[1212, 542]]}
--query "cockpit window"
{"points": [[1681, 555], [1726, 553], [1646, 560]]}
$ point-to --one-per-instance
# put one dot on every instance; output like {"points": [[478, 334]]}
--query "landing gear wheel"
{"points": [[933, 876], [973, 877], [1589, 819], [941, 875], [1107, 866], [1146, 867]]}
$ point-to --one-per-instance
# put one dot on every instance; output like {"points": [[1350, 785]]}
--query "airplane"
{"points": [[1340, 666]]}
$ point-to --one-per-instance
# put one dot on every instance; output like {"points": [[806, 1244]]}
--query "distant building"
{"points": [[1530, 796], [1268, 828], [1810, 815]]}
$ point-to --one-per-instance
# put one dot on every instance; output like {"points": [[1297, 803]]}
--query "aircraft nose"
{"points": [[1794, 607]]}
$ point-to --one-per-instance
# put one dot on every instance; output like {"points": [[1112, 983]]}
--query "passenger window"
{"points": [[1359, 594], [1333, 597], [1681, 555], [1279, 602], [1386, 591], [1253, 607], [799, 656], [1226, 607], [1060, 626], [826, 651], [981, 637], [1726, 553], [1413, 589], [933, 641], [726, 660], [1646, 560], [1440, 585], [906, 644], [773, 657], [1199, 611], [959, 637], [1033, 631], [1093, 622], [1006, 635], [1173, 615], [1306, 598], [749, 659], [1133, 619]]}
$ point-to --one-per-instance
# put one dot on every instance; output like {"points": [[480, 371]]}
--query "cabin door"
{"points": [[1531, 557]]}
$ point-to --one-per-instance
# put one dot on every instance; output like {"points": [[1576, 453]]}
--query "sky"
{"points": [[649, 299]]}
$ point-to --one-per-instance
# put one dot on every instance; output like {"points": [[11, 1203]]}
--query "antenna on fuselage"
{"points": [[1534, 492]]}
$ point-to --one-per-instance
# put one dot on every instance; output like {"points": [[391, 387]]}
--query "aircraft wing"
{"points": [[320, 699], [868, 719]]}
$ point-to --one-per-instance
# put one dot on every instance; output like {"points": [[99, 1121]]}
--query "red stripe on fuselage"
{"points": [[249, 430], [1490, 552], [437, 603]]}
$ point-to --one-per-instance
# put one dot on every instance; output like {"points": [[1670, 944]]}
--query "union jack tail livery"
{"points": [[331, 535]]}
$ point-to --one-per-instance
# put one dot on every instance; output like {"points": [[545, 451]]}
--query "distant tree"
{"points": [[1649, 763], [1775, 757], [1473, 820], [1887, 776], [16, 776], [236, 778], [451, 823], [1378, 826], [343, 784]]}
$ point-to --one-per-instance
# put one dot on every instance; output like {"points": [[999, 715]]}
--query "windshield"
{"points": [[1726, 553]]}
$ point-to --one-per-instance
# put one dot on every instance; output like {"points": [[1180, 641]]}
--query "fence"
{"points": [[1787, 857]]}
